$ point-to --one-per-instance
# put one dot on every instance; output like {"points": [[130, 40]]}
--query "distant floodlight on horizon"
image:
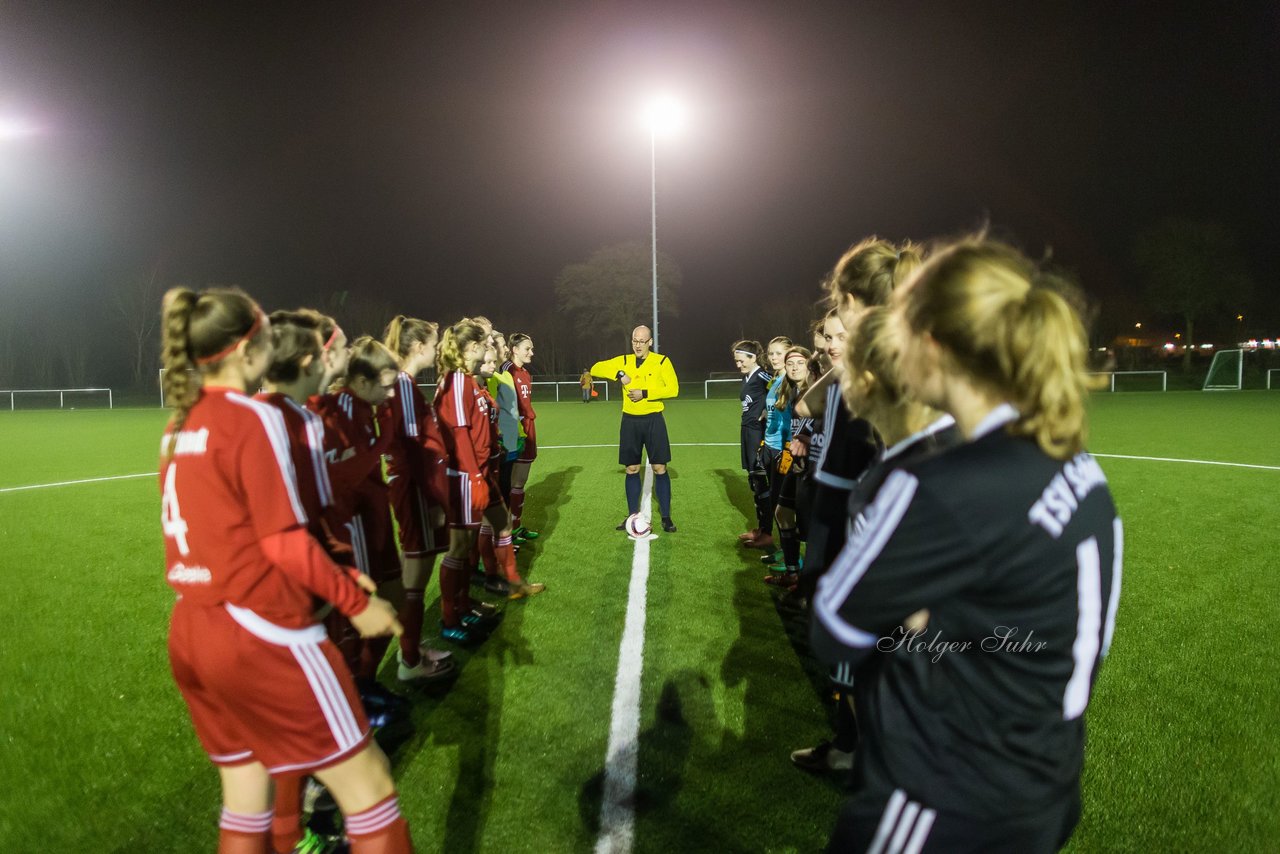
{"points": [[663, 115]]}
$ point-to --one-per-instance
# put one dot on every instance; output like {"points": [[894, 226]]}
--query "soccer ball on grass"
{"points": [[638, 526]]}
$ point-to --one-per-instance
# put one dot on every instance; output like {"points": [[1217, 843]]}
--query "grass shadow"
{"points": [[464, 713], [684, 710]]}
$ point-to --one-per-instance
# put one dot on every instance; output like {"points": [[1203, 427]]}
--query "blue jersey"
{"points": [[777, 428]]}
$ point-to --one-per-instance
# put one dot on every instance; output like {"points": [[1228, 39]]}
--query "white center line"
{"points": [[617, 807]]}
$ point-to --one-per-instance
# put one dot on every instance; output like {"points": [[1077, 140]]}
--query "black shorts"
{"points": [[643, 432], [868, 821], [752, 436]]}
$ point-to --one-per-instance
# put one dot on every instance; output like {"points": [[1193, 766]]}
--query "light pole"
{"points": [[653, 177], [663, 115]]}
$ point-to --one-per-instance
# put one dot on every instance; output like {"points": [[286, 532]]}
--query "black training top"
{"points": [[755, 386], [844, 448], [1017, 558]]}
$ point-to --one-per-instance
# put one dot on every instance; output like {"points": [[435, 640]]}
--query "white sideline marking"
{"points": [[617, 805], [74, 482], [615, 444], [674, 445], [1194, 462]]}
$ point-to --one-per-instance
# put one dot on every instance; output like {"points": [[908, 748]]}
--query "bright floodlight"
{"points": [[14, 128], [663, 115]]}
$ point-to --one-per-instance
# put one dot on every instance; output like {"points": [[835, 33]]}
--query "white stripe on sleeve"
{"points": [[459, 385], [1113, 601], [406, 404], [881, 519], [1088, 626], [273, 423]]}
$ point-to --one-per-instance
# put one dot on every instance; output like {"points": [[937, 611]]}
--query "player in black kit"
{"points": [[755, 385], [972, 723]]}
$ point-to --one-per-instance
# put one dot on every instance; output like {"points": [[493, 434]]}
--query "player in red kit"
{"points": [[463, 410], [521, 355], [267, 692], [359, 417], [411, 464], [294, 375]]}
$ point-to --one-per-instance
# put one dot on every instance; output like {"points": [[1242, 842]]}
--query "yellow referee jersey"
{"points": [[656, 376]]}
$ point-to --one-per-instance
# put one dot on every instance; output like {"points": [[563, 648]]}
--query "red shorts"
{"points": [[530, 452], [461, 513], [373, 545], [260, 692], [418, 538]]}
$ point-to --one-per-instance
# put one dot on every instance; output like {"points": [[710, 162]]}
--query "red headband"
{"points": [[337, 330], [224, 353]]}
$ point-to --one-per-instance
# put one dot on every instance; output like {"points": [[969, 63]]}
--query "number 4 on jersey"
{"points": [[171, 520]]}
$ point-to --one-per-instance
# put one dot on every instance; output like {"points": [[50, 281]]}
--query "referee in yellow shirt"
{"points": [[647, 378]]}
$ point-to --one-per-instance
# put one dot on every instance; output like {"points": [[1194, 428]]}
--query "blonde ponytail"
{"points": [[870, 271], [1007, 325], [1047, 352], [453, 343], [181, 382]]}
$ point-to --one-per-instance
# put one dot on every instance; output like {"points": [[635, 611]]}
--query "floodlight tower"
{"points": [[663, 115]]}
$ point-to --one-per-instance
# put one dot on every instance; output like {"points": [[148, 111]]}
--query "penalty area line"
{"points": [[617, 804]]}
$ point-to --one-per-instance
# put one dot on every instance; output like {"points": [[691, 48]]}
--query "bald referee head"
{"points": [[641, 341]]}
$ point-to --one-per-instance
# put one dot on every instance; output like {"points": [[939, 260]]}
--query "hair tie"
{"points": [[333, 336]]}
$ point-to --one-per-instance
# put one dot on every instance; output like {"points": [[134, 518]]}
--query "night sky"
{"points": [[452, 158]]}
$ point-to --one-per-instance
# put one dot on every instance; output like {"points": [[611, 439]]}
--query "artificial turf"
{"points": [[98, 750]]}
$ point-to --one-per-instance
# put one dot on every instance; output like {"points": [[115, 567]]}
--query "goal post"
{"points": [[720, 384], [1226, 371], [1111, 377], [64, 396]]}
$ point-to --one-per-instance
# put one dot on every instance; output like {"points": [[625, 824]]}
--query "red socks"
{"points": [[506, 557], [517, 505], [411, 619], [286, 826], [452, 570], [486, 552], [244, 833], [380, 829]]}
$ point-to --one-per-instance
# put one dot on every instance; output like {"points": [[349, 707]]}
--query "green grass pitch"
{"points": [[97, 750]]}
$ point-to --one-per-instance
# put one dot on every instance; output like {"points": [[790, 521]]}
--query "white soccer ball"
{"points": [[638, 526]]}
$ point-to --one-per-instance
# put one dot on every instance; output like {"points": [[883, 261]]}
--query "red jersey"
{"points": [[524, 391], [306, 444], [229, 485], [468, 422], [354, 448], [416, 446]]}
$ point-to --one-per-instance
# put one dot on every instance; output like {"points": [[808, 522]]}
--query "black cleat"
{"points": [[622, 526], [668, 525]]}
